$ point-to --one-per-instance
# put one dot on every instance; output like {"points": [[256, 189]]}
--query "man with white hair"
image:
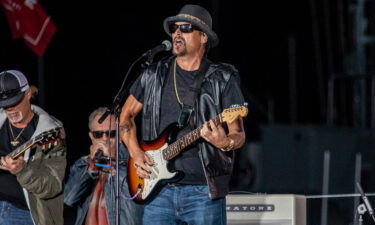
{"points": [[33, 159], [91, 185]]}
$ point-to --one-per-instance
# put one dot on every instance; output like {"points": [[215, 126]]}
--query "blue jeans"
{"points": [[11, 215], [187, 204]]}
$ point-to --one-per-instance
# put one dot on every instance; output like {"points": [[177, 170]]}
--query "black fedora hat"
{"points": [[197, 16]]}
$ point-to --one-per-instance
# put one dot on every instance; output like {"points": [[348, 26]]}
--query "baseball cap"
{"points": [[13, 85]]}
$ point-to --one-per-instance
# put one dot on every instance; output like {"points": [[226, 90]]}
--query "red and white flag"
{"points": [[28, 20]]}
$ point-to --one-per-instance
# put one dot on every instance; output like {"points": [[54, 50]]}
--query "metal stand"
{"points": [[115, 109], [361, 210], [366, 203], [117, 197]]}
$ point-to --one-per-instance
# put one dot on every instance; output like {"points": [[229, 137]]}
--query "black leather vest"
{"points": [[218, 165]]}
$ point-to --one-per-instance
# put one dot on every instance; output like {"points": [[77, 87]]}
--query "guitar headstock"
{"points": [[231, 114], [47, 136]]}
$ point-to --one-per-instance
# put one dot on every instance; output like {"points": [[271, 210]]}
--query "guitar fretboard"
{"points": [[45, 136], [176, 147], [21, 149]]}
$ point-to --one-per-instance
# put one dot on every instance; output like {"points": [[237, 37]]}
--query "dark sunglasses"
{"points": [[184, 28], [99, 133]]}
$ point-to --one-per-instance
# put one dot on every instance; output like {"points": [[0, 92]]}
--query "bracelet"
{"points": [[229, 147]]}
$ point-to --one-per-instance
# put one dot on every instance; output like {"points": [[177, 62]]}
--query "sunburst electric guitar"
{"points": [[165, 148], [46, 139]]}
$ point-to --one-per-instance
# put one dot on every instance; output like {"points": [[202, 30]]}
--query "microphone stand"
{"points": [[365, 206], [115, 110], [361, 210]]}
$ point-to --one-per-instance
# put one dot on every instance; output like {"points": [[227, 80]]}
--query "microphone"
{"points": [[164, 46], [366, 201], [99, 153], [104, 116]]}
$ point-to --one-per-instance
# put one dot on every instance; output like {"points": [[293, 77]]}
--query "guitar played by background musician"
{"points": [[160, 95], [31, 185]]}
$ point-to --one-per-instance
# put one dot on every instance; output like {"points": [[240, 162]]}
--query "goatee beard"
{"points": [[20, 117], [179, 54], [182, 46]]}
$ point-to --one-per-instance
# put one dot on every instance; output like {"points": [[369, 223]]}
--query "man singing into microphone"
{"points": [[91, 184], [161, 96]]}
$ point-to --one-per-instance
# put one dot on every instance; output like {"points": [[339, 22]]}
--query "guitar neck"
{"points": [[176, 147], [21, 149], [43, 138]]}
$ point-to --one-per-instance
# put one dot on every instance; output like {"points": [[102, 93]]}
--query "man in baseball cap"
{"points": [[13, 85], [30, 190]]}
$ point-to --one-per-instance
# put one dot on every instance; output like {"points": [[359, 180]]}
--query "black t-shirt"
{"points": [[10, 189], [188, 161]]}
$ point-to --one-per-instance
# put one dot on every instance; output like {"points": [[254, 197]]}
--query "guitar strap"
{"points": [[188, 106]]}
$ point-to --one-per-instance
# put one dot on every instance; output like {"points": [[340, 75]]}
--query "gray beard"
{"points": [[17, 120]]}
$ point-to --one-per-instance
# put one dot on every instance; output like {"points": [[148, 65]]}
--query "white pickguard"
{"points": [[159, 171]]}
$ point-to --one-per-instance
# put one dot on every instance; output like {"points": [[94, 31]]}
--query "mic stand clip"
{"points": [[361, 210]]}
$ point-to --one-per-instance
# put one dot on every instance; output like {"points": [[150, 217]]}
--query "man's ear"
{"points": [[204, 38], [28, 94], [91, 137]]}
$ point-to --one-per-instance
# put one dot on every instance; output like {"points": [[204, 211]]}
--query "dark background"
{"points": [[96, 42], [286, 52]]}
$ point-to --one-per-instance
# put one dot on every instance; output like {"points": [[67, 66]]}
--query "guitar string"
{"points": [[173, 149]]}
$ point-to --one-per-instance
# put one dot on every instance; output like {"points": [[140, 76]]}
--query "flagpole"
{"points": [[41, 82]]}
